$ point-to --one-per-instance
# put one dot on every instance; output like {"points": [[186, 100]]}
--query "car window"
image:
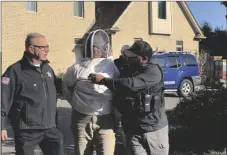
{"points": [[159, 61], [174, 62], [189, 60]]}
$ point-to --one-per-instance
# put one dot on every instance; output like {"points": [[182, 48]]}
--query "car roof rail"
{"points": [[180, 52], [176, 52], [159, 52]]}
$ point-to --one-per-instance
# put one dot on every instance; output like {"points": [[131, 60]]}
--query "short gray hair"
{"points": [[30, 36]]}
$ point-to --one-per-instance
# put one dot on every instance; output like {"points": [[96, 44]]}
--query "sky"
{"points": [[212, 12]]}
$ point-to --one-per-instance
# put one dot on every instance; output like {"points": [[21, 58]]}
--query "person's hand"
{"points": [[4, 135], [95, 78], [99, 77]]}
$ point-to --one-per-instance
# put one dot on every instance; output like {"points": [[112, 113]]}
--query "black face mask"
{"points": [[130, 62]]}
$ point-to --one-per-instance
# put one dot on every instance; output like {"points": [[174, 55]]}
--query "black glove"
{"points": [[92, 77]]}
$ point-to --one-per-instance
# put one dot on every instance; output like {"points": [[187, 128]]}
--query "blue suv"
{"points": [[180, 69]]}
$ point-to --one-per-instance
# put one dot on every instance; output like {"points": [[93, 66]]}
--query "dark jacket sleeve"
{"points": [[8, 87], [58, 83], [148, 78]]}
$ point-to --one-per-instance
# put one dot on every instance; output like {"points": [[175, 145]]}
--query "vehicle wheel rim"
{"points": [[186, 88]]}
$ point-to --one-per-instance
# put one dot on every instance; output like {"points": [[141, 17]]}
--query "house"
{"points": [[167, 26], [61, 22]]}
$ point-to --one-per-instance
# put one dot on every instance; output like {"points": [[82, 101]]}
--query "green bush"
{"points": [[201, 109], [200, 122], [60, 75]]}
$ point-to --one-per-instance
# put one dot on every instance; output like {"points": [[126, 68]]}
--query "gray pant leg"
{"points": [[157, 141], [134, 145], [151, 143]]}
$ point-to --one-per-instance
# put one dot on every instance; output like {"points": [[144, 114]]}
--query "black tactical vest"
{"points": [[132, 103]]}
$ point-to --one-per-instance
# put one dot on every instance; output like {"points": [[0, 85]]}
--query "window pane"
{"points": [[173, 62], [137, 39], [179, 42], [79, 8], [179, 49], [178, 62], [159, 61], [31, 6], [162, 9], [189, 61]]}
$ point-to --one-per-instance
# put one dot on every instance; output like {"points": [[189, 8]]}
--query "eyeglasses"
{"points": [[41, 47]]}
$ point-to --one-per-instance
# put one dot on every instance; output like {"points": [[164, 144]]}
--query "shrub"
{"points": [[201, 108], [60, 75], [201, 122]]}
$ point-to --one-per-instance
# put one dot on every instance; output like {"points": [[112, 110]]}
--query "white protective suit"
{"points": [[84, 96]]}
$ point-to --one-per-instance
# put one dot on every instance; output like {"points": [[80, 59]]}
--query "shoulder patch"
{"points": [[5, 80], [49, 74]]}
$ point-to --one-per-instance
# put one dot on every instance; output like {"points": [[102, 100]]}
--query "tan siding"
{"points": [[134, 24], [53, 19]]}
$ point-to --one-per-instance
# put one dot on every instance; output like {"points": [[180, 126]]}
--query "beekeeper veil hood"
{"points": [[97, 43]]}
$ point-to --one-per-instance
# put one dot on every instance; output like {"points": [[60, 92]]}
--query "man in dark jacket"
{"points": [[29, 100], [140, 100]]}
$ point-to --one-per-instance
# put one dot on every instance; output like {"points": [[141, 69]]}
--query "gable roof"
{"points": [[108, 13], [109, 21], [191, 19]]}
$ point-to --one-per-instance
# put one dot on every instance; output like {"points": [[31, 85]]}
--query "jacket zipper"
{"points": [[44, 87], [45, 92]]}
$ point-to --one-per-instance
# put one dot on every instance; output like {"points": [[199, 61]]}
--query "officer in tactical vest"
{"points": [[140, 100]]}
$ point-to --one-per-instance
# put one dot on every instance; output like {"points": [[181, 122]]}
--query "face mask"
{"points": [[130, 62]]}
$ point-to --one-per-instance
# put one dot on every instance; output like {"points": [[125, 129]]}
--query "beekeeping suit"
{"points": [[84, 96]]}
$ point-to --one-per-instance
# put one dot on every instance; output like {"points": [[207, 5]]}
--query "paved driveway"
{"points": [[64, 123]]}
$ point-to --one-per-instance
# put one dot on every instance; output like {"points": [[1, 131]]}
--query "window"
{"points": [[79, 8], [174, 62], [189, 60], [137, 39], [159, 61], [179, 45], [31, 6], [162, 9]]}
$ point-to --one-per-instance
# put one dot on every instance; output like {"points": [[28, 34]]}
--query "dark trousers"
{"points": [[49, 140]]}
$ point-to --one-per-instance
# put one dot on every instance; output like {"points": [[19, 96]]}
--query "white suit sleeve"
{"points": [[68, 83], [111, 70], [116, 72]]}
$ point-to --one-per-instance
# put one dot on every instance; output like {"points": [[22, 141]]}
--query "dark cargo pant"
{"points": [[151, 143], [49, 140]]}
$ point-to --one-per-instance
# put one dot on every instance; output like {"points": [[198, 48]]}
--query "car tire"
{"points": [[186, 88]]}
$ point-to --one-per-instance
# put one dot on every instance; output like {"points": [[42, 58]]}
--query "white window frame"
{"points": [[31, 6], [180, 44], [76, 12], [137, 39]]}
